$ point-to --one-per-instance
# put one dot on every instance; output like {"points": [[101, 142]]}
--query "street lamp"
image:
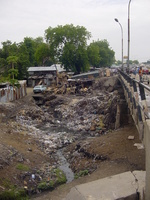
{"points": [[128, 35], [121, 39]]}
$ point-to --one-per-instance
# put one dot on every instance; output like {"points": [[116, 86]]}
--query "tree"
{"points": [[42, 54], [12, 60], [3, 63], [23, 61], [118, 62], [68, 45], [31, 48], [38, 41], [93, 54], [8, 49], [136, 62], [105, 52]]}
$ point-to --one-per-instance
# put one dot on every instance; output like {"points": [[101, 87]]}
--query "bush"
{"points": [[58, 179], [46, 185], [13, 195], [81, 173], [61, 178]]}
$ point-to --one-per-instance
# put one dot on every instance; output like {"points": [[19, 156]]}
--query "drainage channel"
{"points": [[64, 166], [61, 135]]}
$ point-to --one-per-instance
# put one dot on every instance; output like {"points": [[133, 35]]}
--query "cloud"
{"points": [[19, 19]]}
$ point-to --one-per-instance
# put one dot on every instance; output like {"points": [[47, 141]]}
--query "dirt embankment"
{"points": [[81, 126]]}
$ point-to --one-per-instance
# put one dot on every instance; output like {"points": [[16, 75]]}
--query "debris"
{"points": [[33, 176], [29, 149], [131, 137], [139, 145]]}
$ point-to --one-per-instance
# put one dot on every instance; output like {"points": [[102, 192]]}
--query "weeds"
{"points": [[22, 167], [81, 173]]}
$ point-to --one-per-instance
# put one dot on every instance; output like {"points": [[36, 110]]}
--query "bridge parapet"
{"points": [[137, 97]]}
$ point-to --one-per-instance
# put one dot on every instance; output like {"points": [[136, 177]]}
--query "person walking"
{"points": [[140, 74]]}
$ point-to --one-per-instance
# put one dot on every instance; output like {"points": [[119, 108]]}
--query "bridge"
{"points": [[137, 96]]}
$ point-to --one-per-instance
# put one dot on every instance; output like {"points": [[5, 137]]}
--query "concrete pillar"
{"points": [[117, 123], [147, 149]]}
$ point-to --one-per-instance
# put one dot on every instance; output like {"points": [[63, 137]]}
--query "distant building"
{"points": [[44, 75]]}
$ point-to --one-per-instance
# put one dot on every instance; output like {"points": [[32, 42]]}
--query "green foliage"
{"points": [[64, 44], [46, 185], [4, 79], [118, 62], [14, 195], [42, 54], [6, 184], [135, 62], [68, 45], [106, 54], [3, 63], [13, 72], [23, 61], [11, 191], [30, 46], [13, 82], [81, 173], [22, 167], [12, 60], [61, 178], [8, 49], [93, 54], [58, 179]]}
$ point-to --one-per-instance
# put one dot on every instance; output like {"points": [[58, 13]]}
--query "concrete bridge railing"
{"points": [[137, 94]]}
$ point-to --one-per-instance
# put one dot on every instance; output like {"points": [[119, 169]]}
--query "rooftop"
{"points": [[47, 68]]}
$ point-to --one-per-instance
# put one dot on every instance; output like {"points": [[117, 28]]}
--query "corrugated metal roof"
{"points": [[50, 68], [86, 74]]}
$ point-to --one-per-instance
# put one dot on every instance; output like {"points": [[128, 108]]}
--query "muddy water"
{"points": [[64, 166]]}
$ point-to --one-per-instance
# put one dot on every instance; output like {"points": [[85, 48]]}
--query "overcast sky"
{"points": [[30, 18]]}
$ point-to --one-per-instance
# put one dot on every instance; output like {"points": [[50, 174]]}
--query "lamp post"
{"points": [[128, 36], [121, 39]]}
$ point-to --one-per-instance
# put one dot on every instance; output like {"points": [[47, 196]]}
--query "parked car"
{"points": [[39, 89]]}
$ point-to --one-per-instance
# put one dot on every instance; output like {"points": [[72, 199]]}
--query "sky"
{"points": [[30, 18]]}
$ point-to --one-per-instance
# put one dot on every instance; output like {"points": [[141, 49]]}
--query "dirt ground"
{"points": [[16, 145]]}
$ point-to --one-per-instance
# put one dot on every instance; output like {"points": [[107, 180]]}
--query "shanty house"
{"points": [[45, 75]]}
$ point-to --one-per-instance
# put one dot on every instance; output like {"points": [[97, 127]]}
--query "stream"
{"points": [[60, 137], [64, 166]]}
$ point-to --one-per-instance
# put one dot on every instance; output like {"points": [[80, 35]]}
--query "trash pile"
{"points": [[47, 177], [93, 115]]}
